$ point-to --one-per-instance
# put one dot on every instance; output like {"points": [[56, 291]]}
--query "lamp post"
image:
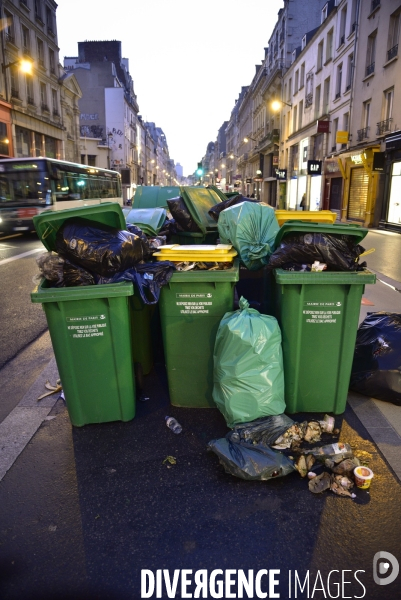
{"points": [[109, 136], [25, 67]]}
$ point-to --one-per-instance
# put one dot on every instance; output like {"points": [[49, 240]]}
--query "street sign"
{"points": [[281, 174], [323, 126], [314, 167]]}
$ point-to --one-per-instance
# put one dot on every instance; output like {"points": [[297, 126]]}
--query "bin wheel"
{"points": [[138, 376]]}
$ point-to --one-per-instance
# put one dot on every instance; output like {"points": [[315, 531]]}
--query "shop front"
{"points": [[391, 209], [355, 196]]}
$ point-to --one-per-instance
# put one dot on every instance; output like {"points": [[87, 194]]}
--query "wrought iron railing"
{"points": [[384, 126], [370, 69], [392, 52], [362, 134]]}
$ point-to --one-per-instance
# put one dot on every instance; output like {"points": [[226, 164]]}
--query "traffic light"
{"points": [[199, 170]]}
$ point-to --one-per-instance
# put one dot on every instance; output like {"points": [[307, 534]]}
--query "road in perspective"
{"points": [[200, 300], [99, 511]]}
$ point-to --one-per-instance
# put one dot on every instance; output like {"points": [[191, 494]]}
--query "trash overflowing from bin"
{"points": [[248, 366], [232, 201], [377, 358], [251, 228], [302, 246]]}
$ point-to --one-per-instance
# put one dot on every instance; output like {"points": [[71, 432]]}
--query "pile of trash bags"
{"points": [[376, 368], [90, 253], [250, 452]]}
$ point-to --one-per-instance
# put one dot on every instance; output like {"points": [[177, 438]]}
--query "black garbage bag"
{"points": [[261, 431], [376, 368], [61, 272], [170, 227], [215, 211], [149, 278], [338, 252], [75, 275], [181, 214], [98, 248], [251, 462]]}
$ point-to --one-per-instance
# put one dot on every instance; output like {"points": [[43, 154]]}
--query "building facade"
{"points": [[31, 118]]}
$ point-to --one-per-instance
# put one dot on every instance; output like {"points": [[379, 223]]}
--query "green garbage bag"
{"points": [[251, 228], [248, 377]]}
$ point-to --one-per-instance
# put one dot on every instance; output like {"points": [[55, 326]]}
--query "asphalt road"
{"points": [[22, 321]]}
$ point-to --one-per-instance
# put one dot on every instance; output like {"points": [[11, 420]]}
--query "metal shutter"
{"points": [[358, 194]]}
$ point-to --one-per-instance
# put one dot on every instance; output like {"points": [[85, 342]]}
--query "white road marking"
{"points": [[23, 255]]}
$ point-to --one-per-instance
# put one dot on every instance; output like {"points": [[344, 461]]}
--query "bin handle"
{"points": [[48, 231]]}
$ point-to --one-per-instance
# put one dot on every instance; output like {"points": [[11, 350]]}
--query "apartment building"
{"points": [[373, 166], [108, 107], [32, 122]]}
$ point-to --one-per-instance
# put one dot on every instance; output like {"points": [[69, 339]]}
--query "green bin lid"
{"points": [[48, 222], [154, 196], [199, 201], [150, 219], [351, 229]]}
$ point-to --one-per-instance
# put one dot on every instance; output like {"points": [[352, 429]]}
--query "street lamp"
{"points": [[278, 104], [109, 136], [246, 139], [24, 65]]}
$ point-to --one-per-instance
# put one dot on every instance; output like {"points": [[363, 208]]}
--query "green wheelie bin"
{"points": [[192, 305], [90, 330], [318, 313]]}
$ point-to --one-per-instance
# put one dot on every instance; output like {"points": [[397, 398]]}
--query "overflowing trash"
{"points": [[249, 461], [377, 357], [99, 248], [231, 201], [298, 251], [181, 215], [259, 450], [248, 366], [251, 228]]}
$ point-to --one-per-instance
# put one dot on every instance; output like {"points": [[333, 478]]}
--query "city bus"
{"points": [[31, 185]]}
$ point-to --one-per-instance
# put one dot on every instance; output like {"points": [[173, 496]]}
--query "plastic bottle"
{"points": [[173, 424], [336, 451]]}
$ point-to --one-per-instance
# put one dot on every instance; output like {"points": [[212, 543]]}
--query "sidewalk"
{"points": [[84, 510]]}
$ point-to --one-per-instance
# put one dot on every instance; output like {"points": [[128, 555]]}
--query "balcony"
{"points": [[26, 51], [30, 100], [55, 112], [338, 95], [10, 38], [44, 107], [362, 134], [370, 69], [342, 39], [392, 52], [14, 93], [384, 126]]}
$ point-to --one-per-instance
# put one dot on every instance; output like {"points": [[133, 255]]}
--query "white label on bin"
{"points": [[322, 312], [86, 327], [194, 303]]}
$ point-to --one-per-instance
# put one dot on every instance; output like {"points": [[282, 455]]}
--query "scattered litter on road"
{"points": [[173, 424], [171, 460], [53, 389]]}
